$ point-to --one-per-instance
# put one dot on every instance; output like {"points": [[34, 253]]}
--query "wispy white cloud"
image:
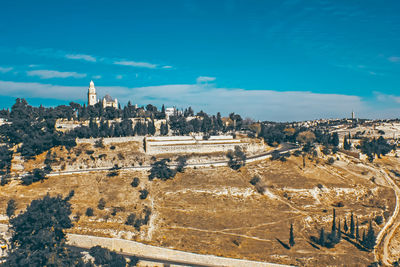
{"points": [[119, 77], [6, 69], [81, 57], [136, 64], [53, 53], [96, 77], [204, 79], [48, 74], [258, 104], [394, 59]]}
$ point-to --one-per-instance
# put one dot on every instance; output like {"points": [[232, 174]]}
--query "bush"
{"points": [[130, 220], [105, 257], [331, 160], [102, 204], [255, 180], [297, 153], [99, 143], [35, 176], [135, 182], [89, 152], [161, 170], [143, 194], [89, 212], [237, 158], [112, 173], [11, 207], [112, 147], [181, 164], [378, 219]]}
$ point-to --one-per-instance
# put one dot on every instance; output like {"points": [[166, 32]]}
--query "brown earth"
{"points": [[217, 211]]}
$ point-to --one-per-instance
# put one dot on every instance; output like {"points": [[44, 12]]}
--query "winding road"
{"points": [[384, 237]]}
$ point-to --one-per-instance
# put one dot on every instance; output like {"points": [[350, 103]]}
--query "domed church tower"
{"points": [[92, 97]]}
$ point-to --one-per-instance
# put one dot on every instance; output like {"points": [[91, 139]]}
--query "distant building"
{"points": [[353, 116], [92, 96], [107, 101]]}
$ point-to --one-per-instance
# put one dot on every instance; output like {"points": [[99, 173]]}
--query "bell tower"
{"points": [[92, 97]]}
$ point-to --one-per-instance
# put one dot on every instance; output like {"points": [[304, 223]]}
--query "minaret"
{"points": [[92, 97]]}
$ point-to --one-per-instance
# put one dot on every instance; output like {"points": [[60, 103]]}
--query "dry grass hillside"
{"points": [[217, 211]]}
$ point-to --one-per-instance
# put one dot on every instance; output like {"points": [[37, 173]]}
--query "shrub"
{"points": [[89, 212], [105, 257], [35, 176], [331, 160], [378, 219], [102, 203], [297, 153], [181, 164], [255, 180], [89, 152], [237, 158], [143, 194], [11, 207], [161, 170], [135, 182], [112, 147], [99, 143], [112, 173], [130, 220]]}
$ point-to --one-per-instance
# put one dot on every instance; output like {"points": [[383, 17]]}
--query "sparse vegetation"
{"points": [[237, 158], [89, 212], [161, 170]]}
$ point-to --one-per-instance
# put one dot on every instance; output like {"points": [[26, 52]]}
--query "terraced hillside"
{"points": [[217, 211]]}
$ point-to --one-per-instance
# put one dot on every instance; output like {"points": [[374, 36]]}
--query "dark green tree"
{"points": [[38, 237], [11, 207], [345, 227], [291, 236], [321, 240], [352, 226], [237, 158], [357, 230]]}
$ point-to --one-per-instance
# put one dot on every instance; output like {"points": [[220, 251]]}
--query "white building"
{"points": [[92, 96], [107, 101]]}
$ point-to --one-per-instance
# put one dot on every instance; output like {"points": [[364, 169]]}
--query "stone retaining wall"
{"points": [[147, 251]]}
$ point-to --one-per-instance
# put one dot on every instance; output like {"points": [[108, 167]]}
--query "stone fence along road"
{"points": [[153, 254], [160, 254]]}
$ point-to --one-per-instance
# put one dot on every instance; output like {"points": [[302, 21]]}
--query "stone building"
{"points": [[107, 101]]}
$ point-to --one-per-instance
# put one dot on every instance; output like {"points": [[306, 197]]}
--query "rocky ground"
{"points": [[217, 211]]}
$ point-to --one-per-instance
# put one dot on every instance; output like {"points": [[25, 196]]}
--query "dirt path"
{"points": [[384, 237]]}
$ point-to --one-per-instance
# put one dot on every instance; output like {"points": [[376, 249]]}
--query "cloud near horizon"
{"points": [[257, 104], [48, 74]]}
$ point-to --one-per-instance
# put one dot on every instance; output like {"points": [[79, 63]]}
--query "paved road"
{"points": [[285, 147], [384, 237]]}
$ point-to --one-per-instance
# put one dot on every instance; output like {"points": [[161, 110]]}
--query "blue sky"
{"points": [[269, 60]]}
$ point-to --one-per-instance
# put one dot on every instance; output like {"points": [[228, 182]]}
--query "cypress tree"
{"points": [[357, 230], [363, 237], [322, 237], [370, 239], [334, 222], [345, 227], [352, 226], [339, 232], [291, 237]]}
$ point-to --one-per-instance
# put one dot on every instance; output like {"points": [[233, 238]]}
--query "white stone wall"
{"points": [[109, 140]]}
